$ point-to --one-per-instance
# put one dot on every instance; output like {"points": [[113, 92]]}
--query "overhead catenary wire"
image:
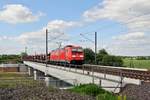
{"points": [[98, 29], [138, 17], [56, 37], [87, 38]]}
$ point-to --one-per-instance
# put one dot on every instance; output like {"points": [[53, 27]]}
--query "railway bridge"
{"points": [[111, 79]]}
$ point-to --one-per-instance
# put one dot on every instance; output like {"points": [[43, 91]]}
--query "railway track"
{"points": [[128, 73], [143, 75]]}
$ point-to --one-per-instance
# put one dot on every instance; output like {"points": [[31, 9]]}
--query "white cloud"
{"points": [[36, 40], [60, 25], [134, 13], [135, 39], [129, 49], [136, 43], [130, 36], [17, 13], [56, 30], [2, 38], [11, 49]]}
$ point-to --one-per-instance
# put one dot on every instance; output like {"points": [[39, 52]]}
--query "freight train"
{"points": [[70, 54]]}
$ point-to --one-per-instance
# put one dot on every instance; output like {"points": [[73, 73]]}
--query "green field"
{"points": [[13, 79], [12, 75], [136, 63]]}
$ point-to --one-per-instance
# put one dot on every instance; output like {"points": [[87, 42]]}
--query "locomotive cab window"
{"points": [[77, 50], [80, 50]]}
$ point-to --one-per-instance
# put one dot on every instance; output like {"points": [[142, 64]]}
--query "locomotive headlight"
{"points": [[81, 55], [73, 55]]}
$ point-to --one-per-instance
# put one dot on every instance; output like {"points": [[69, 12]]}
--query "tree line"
{"points": [[103, 58], [137, 57], [10, 59]]}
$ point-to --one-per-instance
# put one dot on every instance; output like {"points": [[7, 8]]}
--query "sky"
{"points": [[122, 26]]}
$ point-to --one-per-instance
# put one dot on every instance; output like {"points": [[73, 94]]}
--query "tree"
{"points": [[110, 60], [100, 55], [23, 54], [10, 59], [118, 61], [141, 58], [103, 52], [89, 55], [103, 58], [107, 60]]}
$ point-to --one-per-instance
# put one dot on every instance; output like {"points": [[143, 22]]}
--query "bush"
{"points": [[88, 89], [122, 97], [89, 55], [109, 60], [106, 96], [96, 91], [100, 55], [109, 96]]}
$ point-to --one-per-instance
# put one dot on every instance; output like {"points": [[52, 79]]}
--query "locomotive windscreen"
{"points": [[77, 50]]}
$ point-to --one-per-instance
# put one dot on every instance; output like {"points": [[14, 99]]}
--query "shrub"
{"points": [[109, 96], [96, 91], [106, 96], [122, 97], [89, 55], [109, 60], [88, 89]]}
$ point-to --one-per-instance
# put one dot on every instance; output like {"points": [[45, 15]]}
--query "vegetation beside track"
{"points": [[98, 92], [104, 58]]}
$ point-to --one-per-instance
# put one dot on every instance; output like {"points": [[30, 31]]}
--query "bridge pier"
{"points": [[100, 82], [35, 75], [38, 75], [47, 80], [30, 71]]}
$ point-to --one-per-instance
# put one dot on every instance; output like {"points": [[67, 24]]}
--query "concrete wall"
{"points": [[9, 69], [23, 68], [13, 68]]}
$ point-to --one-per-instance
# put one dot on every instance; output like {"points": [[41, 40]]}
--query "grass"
{"points": [[88, 89], [94, 90], [106, 96], [136, 63], [11, 74], [9, 80]]}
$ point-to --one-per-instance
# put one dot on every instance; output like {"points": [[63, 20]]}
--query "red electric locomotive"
{"points": [[69, 54]]}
